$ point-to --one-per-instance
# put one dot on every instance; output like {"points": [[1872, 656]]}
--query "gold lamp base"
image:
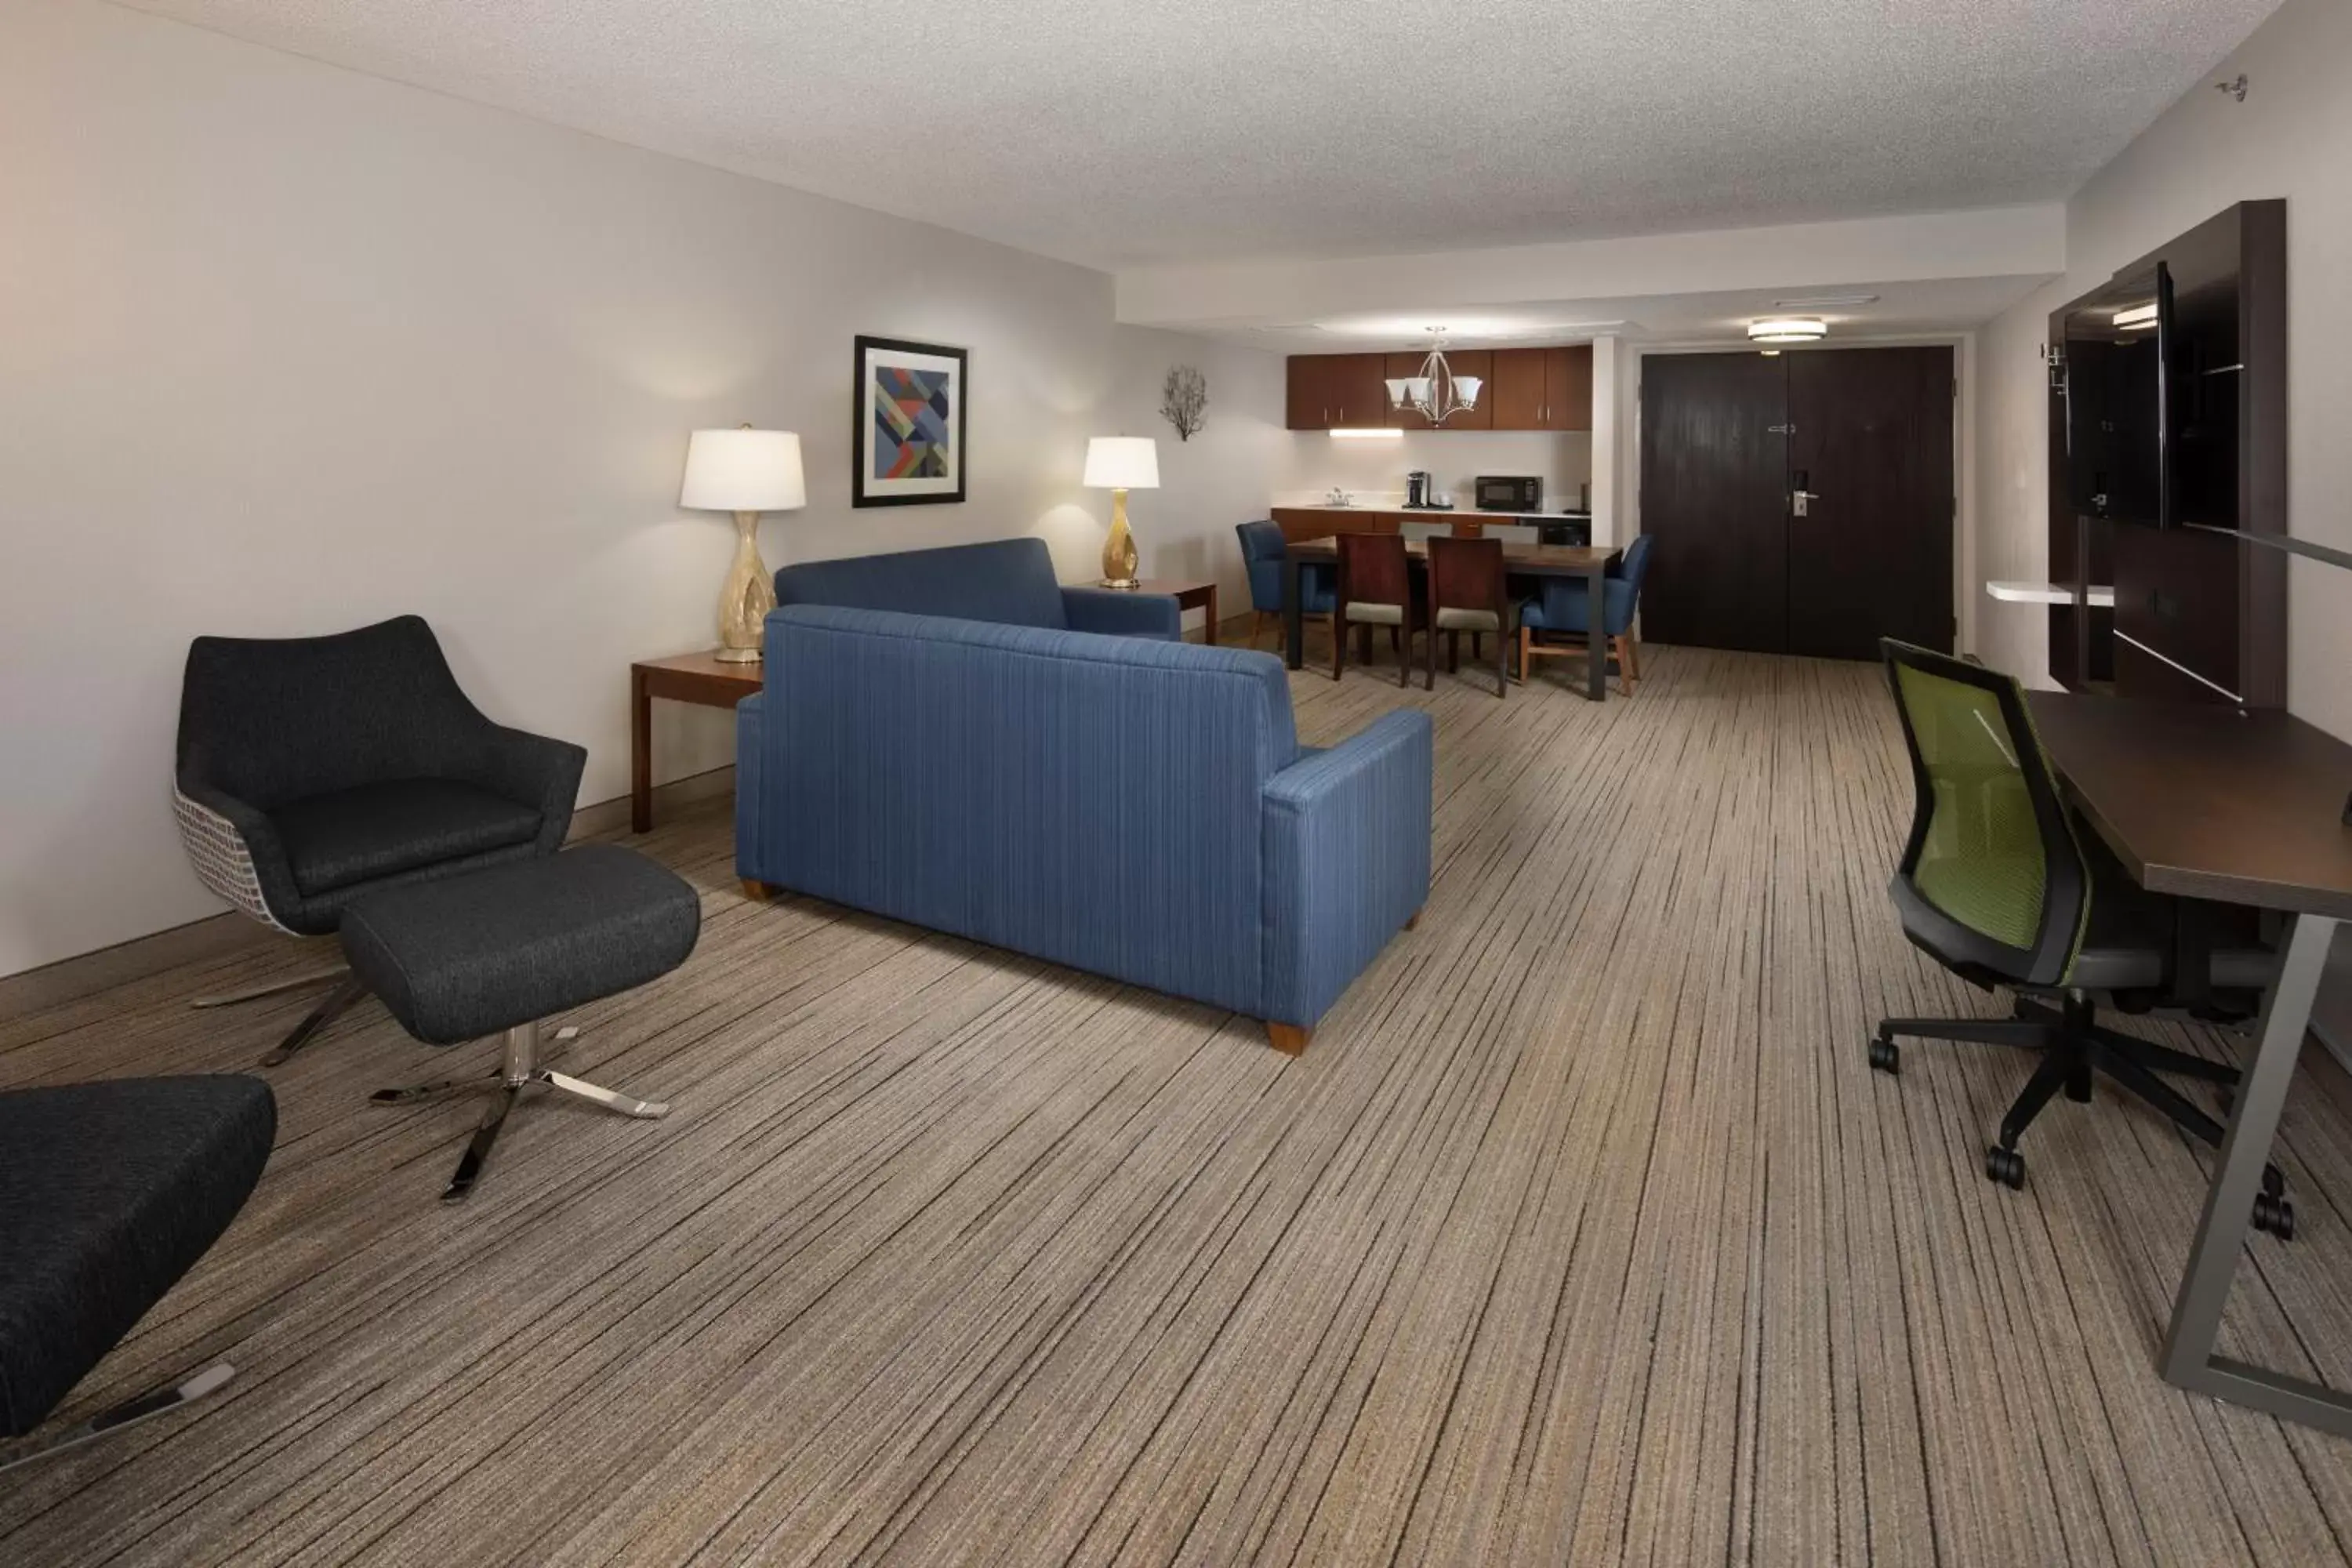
{"points": [[1119, 558], [746, 598]]}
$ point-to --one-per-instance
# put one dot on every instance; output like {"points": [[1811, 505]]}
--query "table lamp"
{"points": [[1119, 464], [747, 472]]}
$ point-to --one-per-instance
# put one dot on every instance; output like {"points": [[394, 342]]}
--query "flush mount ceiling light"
{"points": [[1436, 393], [1788, 330], [2136, 316]]}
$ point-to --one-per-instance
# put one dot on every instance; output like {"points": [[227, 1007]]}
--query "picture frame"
{"points": [[909, 445]]}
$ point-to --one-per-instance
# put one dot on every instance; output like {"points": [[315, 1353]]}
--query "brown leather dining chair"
{"points": [[1469, 591], [1375, 589]]}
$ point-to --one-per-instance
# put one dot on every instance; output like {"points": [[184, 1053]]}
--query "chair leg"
{"points": [[1526, 645], [1452, 652], [1970, 1031], [129, 1413], [1339, 643], [1633, 660], [318, 1018], [272, 988], [2163, 1058], [1624, 647], [2047, 1079], [1429, 661], [1502, 641], [1400, 643]]}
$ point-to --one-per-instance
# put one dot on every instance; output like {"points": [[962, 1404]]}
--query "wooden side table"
{"points": [[695, 677], [1190, 594]]}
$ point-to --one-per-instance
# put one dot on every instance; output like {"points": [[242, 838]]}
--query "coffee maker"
{"points": [[1417, 490]]}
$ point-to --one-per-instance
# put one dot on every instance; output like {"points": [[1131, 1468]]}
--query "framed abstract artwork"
{"points": [[911, 423]]}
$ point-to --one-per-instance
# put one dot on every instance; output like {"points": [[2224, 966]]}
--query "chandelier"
{"points": [[1436, 393]]}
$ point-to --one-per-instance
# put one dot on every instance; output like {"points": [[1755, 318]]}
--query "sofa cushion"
{"points": [[373, 830], [1010, 582], [109, 1192]]}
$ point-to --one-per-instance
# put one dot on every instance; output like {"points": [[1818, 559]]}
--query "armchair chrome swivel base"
{"points": [[521, 1070], [347, 990], [2075, 1046], [129, 1413]]}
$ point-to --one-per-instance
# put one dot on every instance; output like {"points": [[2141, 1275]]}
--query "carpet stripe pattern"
{"points": [[1582, 1234]]}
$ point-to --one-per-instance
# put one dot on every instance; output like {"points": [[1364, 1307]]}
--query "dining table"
{"points": [[1590, 563]]}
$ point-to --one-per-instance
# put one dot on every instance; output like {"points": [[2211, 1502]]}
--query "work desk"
{"points": [[2205, 802]]}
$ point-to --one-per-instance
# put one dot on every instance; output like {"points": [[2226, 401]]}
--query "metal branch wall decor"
{"points": [[1184, 400]]}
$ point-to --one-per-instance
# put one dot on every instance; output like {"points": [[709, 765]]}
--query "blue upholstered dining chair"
{"points": [[1263, 551], [1560, 607]]}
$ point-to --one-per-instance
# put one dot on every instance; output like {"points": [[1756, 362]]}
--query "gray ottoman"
{"points": [[500, 950]]}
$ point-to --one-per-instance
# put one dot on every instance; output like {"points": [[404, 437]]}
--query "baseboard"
{"points": [[69, 979], [606, 816], [214, 936]]}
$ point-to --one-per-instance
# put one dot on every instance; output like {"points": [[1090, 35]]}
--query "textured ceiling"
{"points": [[1119, 134]]}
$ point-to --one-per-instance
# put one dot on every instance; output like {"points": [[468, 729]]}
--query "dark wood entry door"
{"points": [[1714, 496], [1730, 442]]}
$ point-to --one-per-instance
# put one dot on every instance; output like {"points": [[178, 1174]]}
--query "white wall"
{"points": [[1220, 476], [285, 348]]}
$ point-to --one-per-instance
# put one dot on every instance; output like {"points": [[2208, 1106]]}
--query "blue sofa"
{"points": [[1009, 581], [1139, 808]]}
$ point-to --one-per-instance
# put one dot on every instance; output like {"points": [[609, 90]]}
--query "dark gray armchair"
{"points": [[313, 771]]}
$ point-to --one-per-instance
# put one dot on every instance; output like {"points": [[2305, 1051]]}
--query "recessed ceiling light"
{"points": [[1826, 301], [1788, 330]]}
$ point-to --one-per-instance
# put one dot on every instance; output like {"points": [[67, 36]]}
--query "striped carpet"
{"points": [[1581, 1234]]}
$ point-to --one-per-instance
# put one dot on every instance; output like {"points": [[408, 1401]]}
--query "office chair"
{"points": [[1995, 886], [313, 771], [1263, 551]]}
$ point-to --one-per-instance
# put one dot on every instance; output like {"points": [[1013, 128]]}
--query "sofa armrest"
{"points": [[533, 770], [1123, 613], [1347, 861], [750, 798]]}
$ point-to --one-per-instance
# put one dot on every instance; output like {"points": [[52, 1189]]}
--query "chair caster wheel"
{"points": [[2006, 1166], [1885, 1056], [2275, 1214]]}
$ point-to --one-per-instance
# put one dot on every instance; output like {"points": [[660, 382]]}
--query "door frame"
{"points": [[1966, 591]]}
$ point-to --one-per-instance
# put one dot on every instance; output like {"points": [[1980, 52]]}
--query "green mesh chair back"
{"points": [[1992, 883]]}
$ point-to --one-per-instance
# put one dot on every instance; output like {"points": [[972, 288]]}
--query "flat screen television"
{"points": [[2121, 431]]}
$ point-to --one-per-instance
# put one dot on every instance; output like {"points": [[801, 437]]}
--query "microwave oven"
{"points": [[1507, 492]]}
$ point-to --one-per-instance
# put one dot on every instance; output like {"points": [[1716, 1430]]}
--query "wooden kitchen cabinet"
{"points": [[1567, 388], [1326, 392], [1518, 388], [1308, 399], [1525, 389], [1359, 397]]}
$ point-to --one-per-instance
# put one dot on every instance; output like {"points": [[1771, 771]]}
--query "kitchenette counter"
{"points": [[1433, 513], [1301, 522]]}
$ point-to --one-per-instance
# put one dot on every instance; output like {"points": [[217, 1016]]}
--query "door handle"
{"points": [[1798, 500]]}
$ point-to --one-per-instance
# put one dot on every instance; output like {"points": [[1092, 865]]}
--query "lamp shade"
{"points": [[1122, 463], [743, 470]]}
